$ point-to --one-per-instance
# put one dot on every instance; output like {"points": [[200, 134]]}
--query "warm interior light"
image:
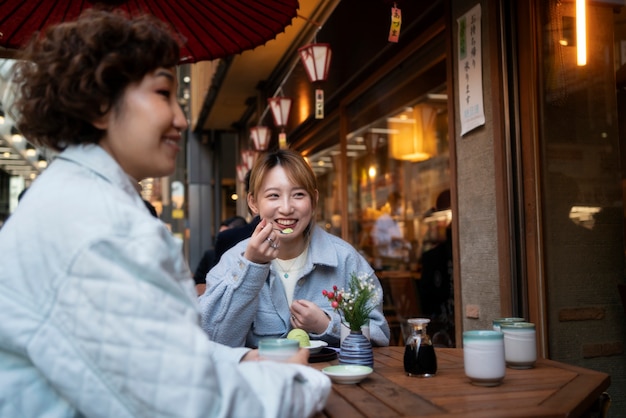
{"points": [[581, 32], [371, 172], [413, 137]]}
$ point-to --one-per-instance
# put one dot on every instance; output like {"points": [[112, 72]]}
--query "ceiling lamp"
{"points": [[316, 60], [1, 115], [30, 151], [16, 136], [261, 137], [280, 107], [41, 162]]}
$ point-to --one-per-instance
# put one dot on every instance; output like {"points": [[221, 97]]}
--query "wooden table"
{"points": [[550, 389]]}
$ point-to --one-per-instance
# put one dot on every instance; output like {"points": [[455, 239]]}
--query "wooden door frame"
{"points": [[529, 87]]}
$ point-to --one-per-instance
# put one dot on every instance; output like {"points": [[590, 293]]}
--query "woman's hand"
{"points": [[252, 355], [308, 316], [301, 357], [264, 243]]}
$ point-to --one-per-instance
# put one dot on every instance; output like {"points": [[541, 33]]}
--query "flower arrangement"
{"points": [[357, 302]]}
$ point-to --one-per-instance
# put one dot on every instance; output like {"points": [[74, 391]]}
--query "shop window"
{"points": [[398, 174], [398, 202]]}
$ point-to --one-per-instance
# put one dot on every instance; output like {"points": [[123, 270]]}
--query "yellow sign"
{"points": [[178, 213]]}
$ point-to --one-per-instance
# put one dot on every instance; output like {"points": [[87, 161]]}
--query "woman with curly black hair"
{"points": [[98, 312]]}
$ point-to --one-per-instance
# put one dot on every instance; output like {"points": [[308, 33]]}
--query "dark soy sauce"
{"points": [[420, 360]]}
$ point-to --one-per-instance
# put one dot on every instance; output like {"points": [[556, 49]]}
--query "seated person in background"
{"points": [[99, 316], [208, 259], [272, 282], [227, 239]]}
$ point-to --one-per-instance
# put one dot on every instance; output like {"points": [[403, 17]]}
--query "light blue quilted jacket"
{"points": [[99, 317]]}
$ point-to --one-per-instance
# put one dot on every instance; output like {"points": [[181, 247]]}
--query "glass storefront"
{"points": [[581, 138]]}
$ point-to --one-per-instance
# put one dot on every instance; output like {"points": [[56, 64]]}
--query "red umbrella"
{"points": [[209, 29]]}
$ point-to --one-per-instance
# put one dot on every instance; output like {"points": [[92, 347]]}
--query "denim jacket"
{"points": [[246, 301]]}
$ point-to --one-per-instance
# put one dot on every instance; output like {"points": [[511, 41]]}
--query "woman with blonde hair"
{"points": [[272, 282]]}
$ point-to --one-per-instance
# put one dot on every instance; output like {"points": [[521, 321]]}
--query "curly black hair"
{"points": [[75, 72]]}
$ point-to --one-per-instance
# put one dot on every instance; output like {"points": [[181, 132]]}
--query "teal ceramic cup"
{"points": [[483, 357], [278, 349], [520, 347], [499, 321]]}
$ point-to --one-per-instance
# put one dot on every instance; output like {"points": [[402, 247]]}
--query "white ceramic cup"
{"points": [[483, 357], [520, 347], [278, 349]]}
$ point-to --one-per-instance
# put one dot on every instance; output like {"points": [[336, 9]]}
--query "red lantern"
{"points": [[241, 172], [261, 137], [280, 107], [248, 157], [316, 61]]}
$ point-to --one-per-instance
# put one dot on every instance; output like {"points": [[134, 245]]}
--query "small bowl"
{"points": [[347, 374], [278, 349], [316, 346]]}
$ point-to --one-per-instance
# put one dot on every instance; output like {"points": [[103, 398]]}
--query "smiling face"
{"points": [[143, 129], [286, 205]]}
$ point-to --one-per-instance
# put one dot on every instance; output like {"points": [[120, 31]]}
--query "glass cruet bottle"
{"points": [[419, 353]]}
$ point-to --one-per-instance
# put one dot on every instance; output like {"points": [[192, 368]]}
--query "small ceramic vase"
{"points": [[356, 349]]}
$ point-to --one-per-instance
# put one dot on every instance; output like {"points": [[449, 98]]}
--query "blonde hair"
{"points": [[297, 169]]}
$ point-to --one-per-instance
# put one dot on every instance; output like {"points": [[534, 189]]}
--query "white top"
{"points": [[289, 272]]}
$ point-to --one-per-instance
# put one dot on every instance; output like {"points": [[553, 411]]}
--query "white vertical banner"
{"points": [[470, 70]]}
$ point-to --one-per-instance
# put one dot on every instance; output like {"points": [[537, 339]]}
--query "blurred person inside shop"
{"points": [[271, 283], [98, 312], [390, 247]]}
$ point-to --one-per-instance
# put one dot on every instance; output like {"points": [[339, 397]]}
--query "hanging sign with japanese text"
{"points": [[470, 71], [396, 22]]}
